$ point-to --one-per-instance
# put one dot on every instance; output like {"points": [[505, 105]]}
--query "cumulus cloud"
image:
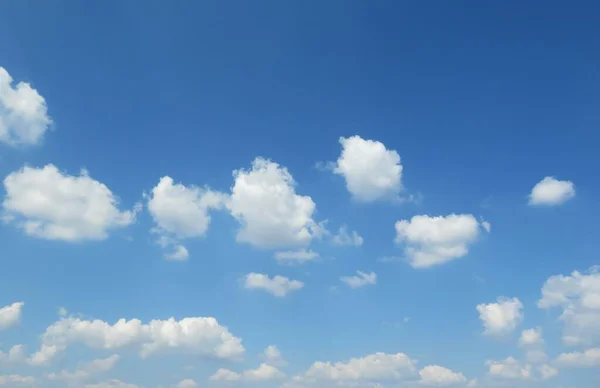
{"points": [[371, 171], [85, 371], [181, 212], [550, 191], [299, 256], [272, 356], [363, 279], [49, 204], [439, 376], [279, 286], [187, 383], [502, 317], [271, 215], [264, 372], [531, 337], [578, 296], [586, 359], [23, 112], [344, 238], [509, 368], [15, 354], [547, 372], [198, 335], [430, 241], [17, 381], [10, 315]]}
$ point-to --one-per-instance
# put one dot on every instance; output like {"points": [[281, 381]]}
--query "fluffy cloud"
{"points": [[10, 315], [371, 171], [272, 356], [502, 317], [271, 214], [111, 384], [547, 372], [578, 295], [343, 238], [550, 191], [199, 335], [363, 279], [23, 113], [264, 372], [187, 383], [430, 241], [531, 337], [369, 369], [15, 354], [439, 376], [278, 285], [509, 369], [295, 257], [181, 212], [86, 371], [49, 204], [586, 359], [17, 381]]}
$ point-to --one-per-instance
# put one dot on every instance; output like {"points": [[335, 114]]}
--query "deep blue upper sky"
{"points": [[481, 100]]}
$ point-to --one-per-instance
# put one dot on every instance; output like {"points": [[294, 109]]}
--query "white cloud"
{"points": [[198, 335], [430, 241], [343, 238], [15, 354], [371, 368], [473, 383], [440, 376], [17, 380], [271, 214], [586, 359], [371, 171], [181, 212], [509, 368], [295, 257], [278, 285], [187, 383], [23, 113], [86, 371], [547, 372], [111, 384], [51, 205], [550, 191], [578, 295], [502, 317], [10, 315], [363, 279], [264, 372], [531, 337], [272, 356]]}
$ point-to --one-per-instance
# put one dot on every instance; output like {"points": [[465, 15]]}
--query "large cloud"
{"points": [[197, 335], [277, 285], [372, 172], [49, 204], [578, 296], [270, 213], [23, 113], [586, 359], [502, 317], [550, 191], [10, 315], [430, 241]]}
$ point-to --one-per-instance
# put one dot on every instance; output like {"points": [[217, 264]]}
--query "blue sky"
{"points": [[232, 165]]}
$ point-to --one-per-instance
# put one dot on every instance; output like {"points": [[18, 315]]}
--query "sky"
{"points": [[299, 194]]}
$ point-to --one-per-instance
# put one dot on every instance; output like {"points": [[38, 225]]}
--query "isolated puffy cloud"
{"points": [[10, 315], [85, 371], [550, 191], [264, 372], [430, 241], [440, 377], [187, 383], [14, 355], [272, 356], [17, 381], [371, 171], [373, 368], [531, 337], [299, 256], [111, 384], [586, 359], [271, 215], [345, 238], [547, 372], [198, 335], [363, 279], [181, 212], [502, 317], [509, 368], [278, 285], [23, 112], [578, 295], [49, 204]]}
